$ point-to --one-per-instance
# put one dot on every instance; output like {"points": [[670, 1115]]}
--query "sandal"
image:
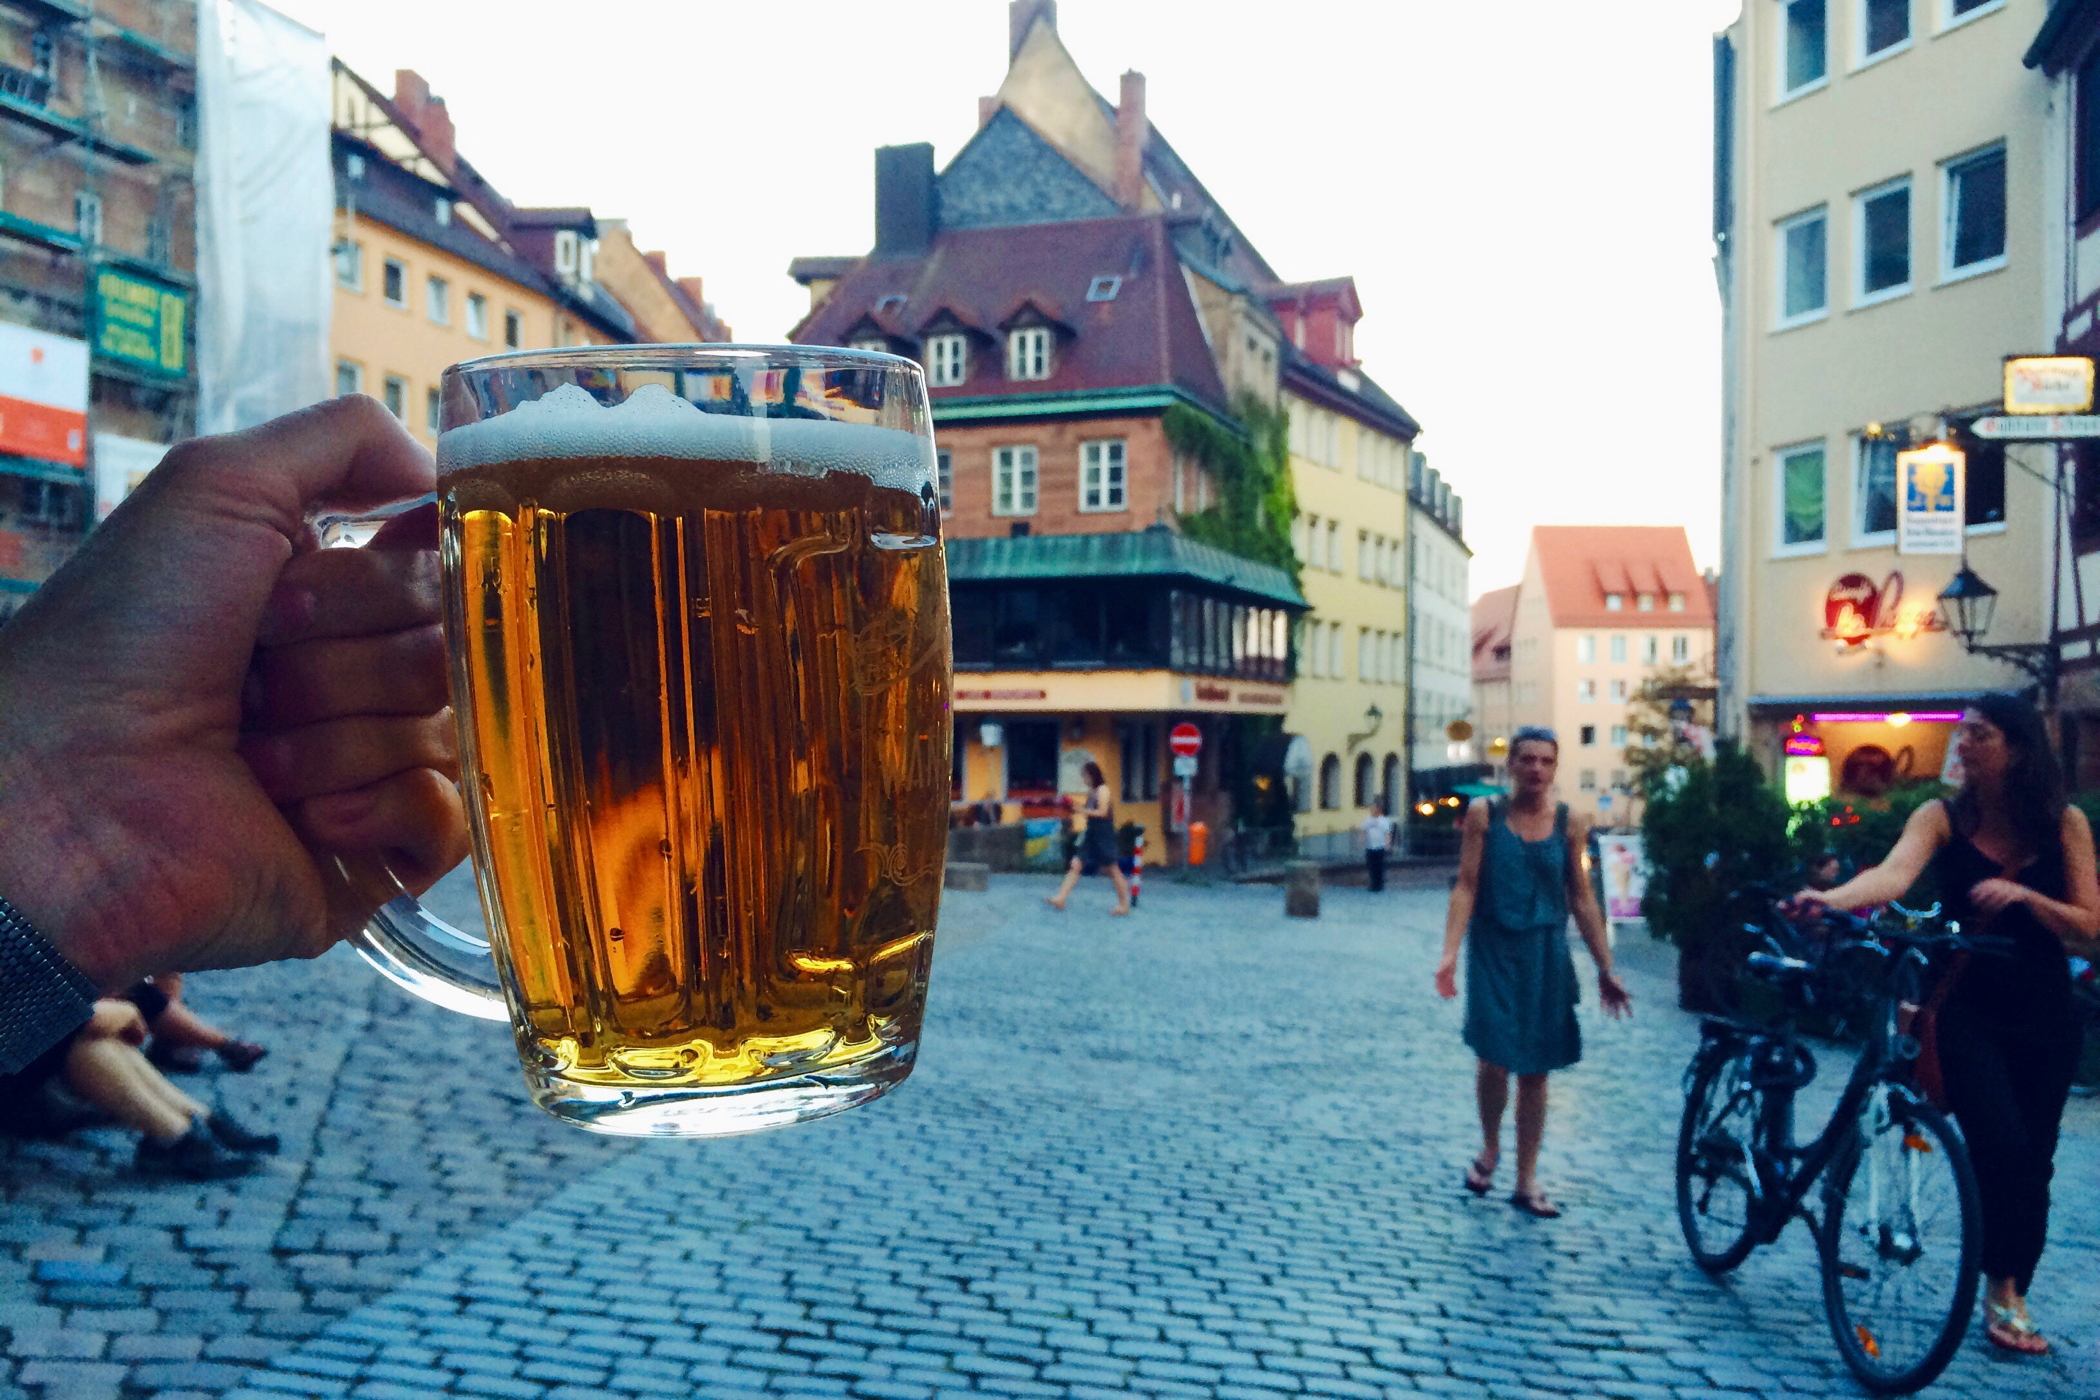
{"points": [[1532, 1203], [2008, 1330], [1479, 1178]]}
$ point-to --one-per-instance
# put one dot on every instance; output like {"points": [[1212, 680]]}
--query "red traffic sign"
{"points": [[1185, 740]]}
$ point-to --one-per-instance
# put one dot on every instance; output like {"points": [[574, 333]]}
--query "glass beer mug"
{"points": [[697, 616]]}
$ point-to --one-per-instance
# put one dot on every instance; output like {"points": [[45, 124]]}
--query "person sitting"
{"points": [[101, 1064], [181, 1037]]}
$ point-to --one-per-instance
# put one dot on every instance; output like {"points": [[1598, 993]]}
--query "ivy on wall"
{"points": [[1251, 469]]}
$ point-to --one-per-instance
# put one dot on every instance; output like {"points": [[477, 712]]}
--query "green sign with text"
{"points": [[141, 322]]}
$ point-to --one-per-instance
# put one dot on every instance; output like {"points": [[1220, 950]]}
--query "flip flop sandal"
{"points": [[1479, 1181], [2020, 1335], [1535, 1204]]}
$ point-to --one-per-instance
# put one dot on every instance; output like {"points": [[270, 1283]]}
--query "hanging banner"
{"points": [[1625, 875], [1929, 499], [43, 395], [140, 322], [2048, 384]]}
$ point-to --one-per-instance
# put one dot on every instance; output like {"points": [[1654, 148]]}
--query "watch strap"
{"points": [[43, 998]]}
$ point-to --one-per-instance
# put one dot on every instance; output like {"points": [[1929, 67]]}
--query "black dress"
{"points": [[2009, 1042]]}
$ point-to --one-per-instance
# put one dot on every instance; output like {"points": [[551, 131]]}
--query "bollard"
{"points": [[1301, 889], [968, 875]]}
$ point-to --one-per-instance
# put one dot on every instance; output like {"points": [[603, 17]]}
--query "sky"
{"points": [[1522, 191]]}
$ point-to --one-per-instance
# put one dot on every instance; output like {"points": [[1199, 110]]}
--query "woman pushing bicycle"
{"points": [[2014, 861]]}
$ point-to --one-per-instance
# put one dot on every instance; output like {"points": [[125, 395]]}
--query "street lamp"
{"points": [[1967, 604], [1373, 717]]}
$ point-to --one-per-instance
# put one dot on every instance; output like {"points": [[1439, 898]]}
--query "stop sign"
{"points": [[1186, 740]]}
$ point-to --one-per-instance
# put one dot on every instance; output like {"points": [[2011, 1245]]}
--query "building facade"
{"points": [[1599, 610], [1494, 618], [1440, 682], [98, 136], [434, 266], [1103, 347], [1874, 273], [1350, 448]]}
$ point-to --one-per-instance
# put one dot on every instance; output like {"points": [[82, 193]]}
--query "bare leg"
{"points": [[1115, 872], [1531, 1127], [1064, 891], [178, 1025], [116, 1078], [1491, 1086]]}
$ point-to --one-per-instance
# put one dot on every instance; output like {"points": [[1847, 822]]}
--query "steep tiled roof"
{"points": [[1363, 399], [981, 278], [1494, 618], [1580, 564]]}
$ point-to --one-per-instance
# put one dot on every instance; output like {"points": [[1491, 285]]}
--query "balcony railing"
{"points": [[25, 86]]}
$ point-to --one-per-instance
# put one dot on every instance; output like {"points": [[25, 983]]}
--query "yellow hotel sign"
{"points": [[140, 322]]}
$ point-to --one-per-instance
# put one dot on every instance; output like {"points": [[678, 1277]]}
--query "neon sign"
{"points": [[1855, 611]]}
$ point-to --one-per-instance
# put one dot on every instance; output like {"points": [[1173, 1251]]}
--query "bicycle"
{"points": [[1900, 1233]]}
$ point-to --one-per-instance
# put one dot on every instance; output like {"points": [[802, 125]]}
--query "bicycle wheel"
{"points": [[1900, 1244], [1717, 1191]]}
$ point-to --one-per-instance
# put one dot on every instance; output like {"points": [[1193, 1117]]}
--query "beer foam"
{"points": [[654, 422]]}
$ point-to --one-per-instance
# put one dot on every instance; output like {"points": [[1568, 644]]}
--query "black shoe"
{"points": [[195, 1156], [240, 1055], [229, 1133]]}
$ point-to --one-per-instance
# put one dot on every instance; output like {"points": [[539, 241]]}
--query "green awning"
{"points": [[1480, 790], [38, 469], [1151, 554]]}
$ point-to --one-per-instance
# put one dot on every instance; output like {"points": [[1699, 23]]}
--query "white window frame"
{"points": [[1334, 650], [1363, 654], [1334, 549], [1618, 691], [477, 316], [947, 360], [352, 371], [1862, 538], [1314, 648], [1949, 168], [355, 252], [1680, 649], [1861, 297], [1780, 36], [1950, 20], [1780, 548], [1586, 649], [1781, 321], [512, 317], [1363, 556], [1860, 57], [944, 473], [1620, 736], [875, 344], [1586, 692], [433, 410], [1016, 480], [393, 392], [565, 252], [437, 300], [390, 265], [1618, 651], [1104, 476], [1615, 602], [1651, 650], [1028, 353]]}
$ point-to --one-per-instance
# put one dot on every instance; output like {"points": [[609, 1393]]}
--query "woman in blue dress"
{"points": [[1521, 872]]}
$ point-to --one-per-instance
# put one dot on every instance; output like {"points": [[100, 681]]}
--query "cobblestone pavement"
{"points": [[1204, 1152]]}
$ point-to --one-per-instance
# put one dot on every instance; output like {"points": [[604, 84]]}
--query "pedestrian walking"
{"points": [[1520, 873], [2014, 862], [1378, 839], [1097, 844]]}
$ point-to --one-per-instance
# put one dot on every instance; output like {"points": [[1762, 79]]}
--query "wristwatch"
{"points": [[43, 998]]}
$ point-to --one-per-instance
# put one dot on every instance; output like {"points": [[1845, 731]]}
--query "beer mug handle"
{"points": [[409, 945]]}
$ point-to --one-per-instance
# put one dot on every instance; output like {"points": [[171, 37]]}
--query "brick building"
{"points": [[97, 258]]}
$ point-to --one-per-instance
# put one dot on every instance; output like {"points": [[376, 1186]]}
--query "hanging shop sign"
{"points": [[43, 395], [2048, 384], [140, 323], [2054, 428], [1855, 611], [1930, 481]]}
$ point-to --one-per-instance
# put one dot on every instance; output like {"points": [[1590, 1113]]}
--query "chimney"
{"points": [[1021, 16], [692, 287], [427, 114], [658, 261], [1132, 131], [987, 108], [903, 200]]}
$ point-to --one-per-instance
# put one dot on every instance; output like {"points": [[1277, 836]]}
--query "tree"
{"points": [[1656, 744]]}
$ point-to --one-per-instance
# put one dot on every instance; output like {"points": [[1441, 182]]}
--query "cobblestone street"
{"points": [[1202, 1152]]}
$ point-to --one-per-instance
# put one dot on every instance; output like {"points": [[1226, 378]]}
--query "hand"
{"points": [[1996, 895], [201, 705], [115, 1019], [1447, 976], [1612, 992], [1807, 904]]}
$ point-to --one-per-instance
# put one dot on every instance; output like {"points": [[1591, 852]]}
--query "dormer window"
{"points": [[586, 259], [1028, 353], [1614, 602], [1645, 602], [947, 360], [1676, 602], [442, 210], [565, 254]]}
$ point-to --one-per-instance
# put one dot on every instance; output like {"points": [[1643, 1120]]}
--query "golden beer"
{"points": [[704, 712]]}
